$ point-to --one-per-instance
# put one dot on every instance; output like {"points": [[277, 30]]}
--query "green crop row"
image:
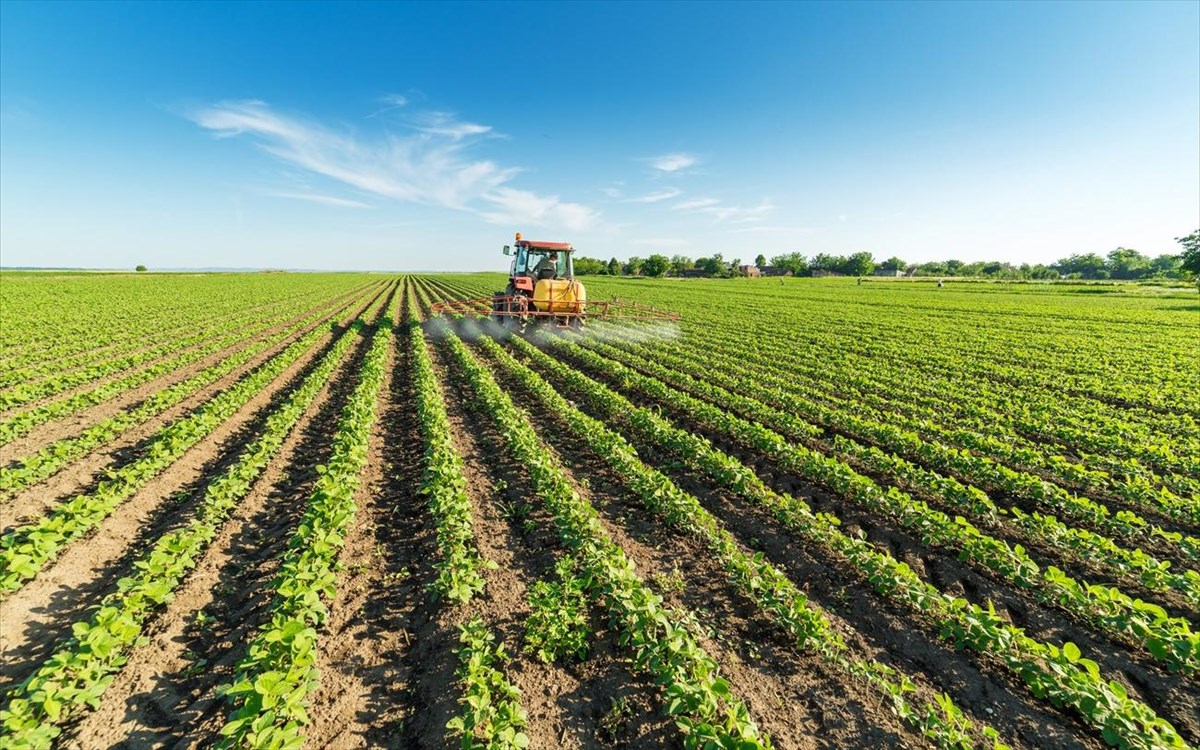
{"points": [[1166, 638], [1136, 489], [756, 578], [779, 405], [460, 570], [1059, 674], [273, 681], [180, 331], [61, 380], [51, 458], [25, 550], [663, 642], [242, 331], [492, 716], [79, 672]]}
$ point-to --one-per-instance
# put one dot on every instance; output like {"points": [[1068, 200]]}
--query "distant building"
{"points": [[693, 273], [817, 272], [894, 274], [751, 271], [776, 271]]}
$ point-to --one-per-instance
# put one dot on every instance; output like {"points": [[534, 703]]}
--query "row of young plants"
{"points": [[1058, 673], [867, 437], [51, 458], [941, 720], [1038, 416], [76, 676], [460, 569], [1136, 486], [243, 332], [1167, 639], [877, 349], [1039, 343], [61, 379], [59, 317], [179, 330], [1004, 359], [272, 684], [663, 642], [27, 549], [492, 716]]}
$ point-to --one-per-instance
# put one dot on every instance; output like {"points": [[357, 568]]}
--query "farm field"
{"points": [[298, 510]]}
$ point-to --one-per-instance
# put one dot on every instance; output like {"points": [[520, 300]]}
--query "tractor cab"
{"points": [[535, 260], [541, 280]]}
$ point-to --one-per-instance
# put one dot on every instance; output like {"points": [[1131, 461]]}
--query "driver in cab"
{"points": [[547, 268]]}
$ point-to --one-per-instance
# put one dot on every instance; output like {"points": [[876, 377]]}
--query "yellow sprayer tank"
{"points": [[559, 296]]}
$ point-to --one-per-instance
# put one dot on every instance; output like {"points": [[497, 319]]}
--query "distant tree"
{"points": [[1166, 266], [1089, 266], [825, 262], [681, 263], [934, 268], [760, 260], [590, 266], [794, 262], [714, 266], [1042, 272], [614, 267], [140, 269], [656, 265], [893, 264], [858, 264], [633, 266], [1190, 259], [1124, 263], [735, 267]]}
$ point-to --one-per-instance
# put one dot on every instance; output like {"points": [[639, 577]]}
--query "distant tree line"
{"points": [[1122, 263]]}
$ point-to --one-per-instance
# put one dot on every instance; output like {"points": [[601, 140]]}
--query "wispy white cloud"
{"points": [[611, 192], [722, 212], [523, 207], [655, 197], [431, 166], [328, 200], [390, 102], [673, 162], [445, 124], [695, 203]]}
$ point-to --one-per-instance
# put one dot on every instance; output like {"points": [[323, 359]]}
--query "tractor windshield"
{"points": [[546, 262]]}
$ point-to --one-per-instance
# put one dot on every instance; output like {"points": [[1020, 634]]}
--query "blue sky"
{"points": [[420, 136]]}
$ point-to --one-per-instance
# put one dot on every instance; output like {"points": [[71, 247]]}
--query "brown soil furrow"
{"points": [[74, 424], [566, 703], [166, 694], [39, 615], [362, 697], [83, 474], [1171, 695]]}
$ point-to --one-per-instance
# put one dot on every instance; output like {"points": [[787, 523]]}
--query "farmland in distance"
{"points": [[299, 510]]}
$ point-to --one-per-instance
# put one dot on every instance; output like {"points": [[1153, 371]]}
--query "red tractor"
{"points": [[542, 289]]}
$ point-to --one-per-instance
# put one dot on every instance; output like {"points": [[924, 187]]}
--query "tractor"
{"points": [[542, 290]]}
